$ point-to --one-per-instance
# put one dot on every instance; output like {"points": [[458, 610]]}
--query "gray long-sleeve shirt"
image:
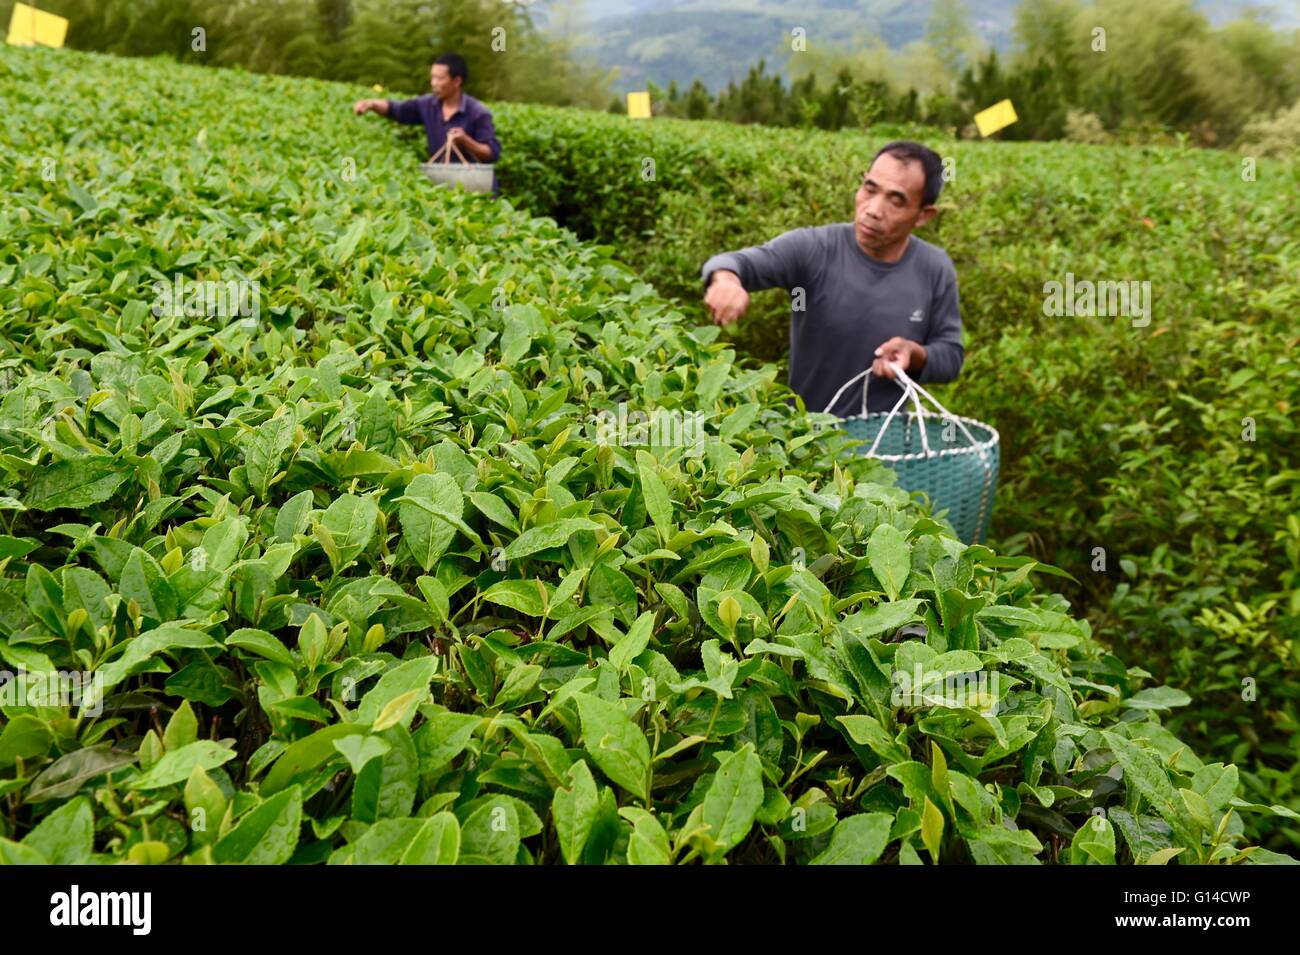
{"points": [[852, 304]]}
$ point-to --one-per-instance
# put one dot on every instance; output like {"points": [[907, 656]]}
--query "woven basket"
{"points": [[952, 459], [474, 176]]}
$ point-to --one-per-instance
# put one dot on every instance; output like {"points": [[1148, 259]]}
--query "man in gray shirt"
{"points": [[863, 293]]}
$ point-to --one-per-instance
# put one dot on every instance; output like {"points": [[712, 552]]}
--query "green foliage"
{"points": [[394, 598]]}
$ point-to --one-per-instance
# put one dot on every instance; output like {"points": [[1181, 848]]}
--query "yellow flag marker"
{"points": [[638, 105], [29, 26], [998, 116]]}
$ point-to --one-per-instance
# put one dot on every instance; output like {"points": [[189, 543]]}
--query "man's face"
{"points": [[440, 79], [888, 203]]}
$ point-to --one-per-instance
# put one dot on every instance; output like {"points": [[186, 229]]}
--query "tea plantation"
{"points": [[363, 576]]}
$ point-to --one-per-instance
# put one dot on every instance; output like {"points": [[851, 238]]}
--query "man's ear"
{"points": [[925, 215]]}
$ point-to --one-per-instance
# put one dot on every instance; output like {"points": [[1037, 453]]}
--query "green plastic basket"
{"points": [[952, 459]]}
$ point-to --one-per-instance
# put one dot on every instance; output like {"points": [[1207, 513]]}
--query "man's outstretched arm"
{"points": [[730, 276], [778, 263], [406, 111]]}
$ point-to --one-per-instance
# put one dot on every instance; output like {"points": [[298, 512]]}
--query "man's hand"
{"points": [[461, 140], [469, 147], [910, 355], [364, 106], [726, 297]]}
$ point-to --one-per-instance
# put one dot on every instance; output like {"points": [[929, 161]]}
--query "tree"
{"points": [[1240, 71], [335, 16], [699, 104], [1053, 32], [386, 43], [950, 34], [282, 37], [1146, 62], [760, 98]]}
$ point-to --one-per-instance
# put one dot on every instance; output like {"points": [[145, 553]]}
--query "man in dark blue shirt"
{"points": [[447, 114]]}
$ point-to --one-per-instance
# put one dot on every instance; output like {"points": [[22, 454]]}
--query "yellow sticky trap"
{"points": [[638, 105], [29, 26], [998, 116]]}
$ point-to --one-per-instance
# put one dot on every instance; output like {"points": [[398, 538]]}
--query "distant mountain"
{"points": [[718, 40]]}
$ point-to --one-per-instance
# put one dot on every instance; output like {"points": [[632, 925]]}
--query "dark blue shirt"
{"points": [[471, 116]]}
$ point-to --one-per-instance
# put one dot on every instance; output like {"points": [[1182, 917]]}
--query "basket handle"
{"points": [[844, 387], [910, 390], [865, 378], [917, 389], [445, 151]]}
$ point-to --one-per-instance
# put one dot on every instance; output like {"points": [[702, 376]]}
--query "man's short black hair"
{"points": [[905, 150], [455, 64]]}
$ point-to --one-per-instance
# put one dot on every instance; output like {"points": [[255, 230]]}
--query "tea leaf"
{"points": [[733, 798], [932, 823], [65, 836], [548, 535], [615, 744], [636, 640], [658, 503], [437, 842], [264, 447], [350, 523], [575, 809], [265, 835], [177, 765], [890, 557], [1148, 779], [857, 840], [427, 534]]}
